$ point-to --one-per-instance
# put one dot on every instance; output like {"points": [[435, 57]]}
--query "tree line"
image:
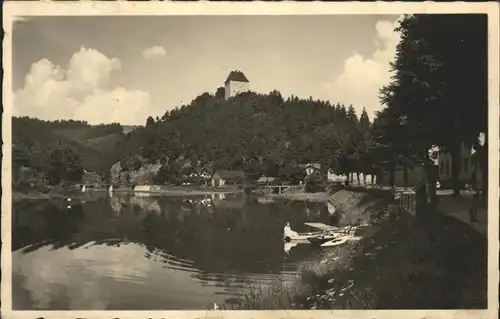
{"points": [[438, 95], [50, 152]]}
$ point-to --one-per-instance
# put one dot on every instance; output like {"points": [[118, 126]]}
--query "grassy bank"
{"points": [[433, 264], [402, 263]]}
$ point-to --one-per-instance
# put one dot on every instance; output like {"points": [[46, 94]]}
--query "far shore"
{"points": [[167, 191], [181, 192], [17, 196]]}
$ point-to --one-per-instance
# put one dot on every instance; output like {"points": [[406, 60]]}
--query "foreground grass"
{"points": [[439, 263]]}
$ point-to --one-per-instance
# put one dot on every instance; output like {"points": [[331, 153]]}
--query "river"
{"points": [[139, 252]]}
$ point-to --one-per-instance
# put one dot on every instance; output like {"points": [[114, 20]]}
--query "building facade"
{"points": [[467, 167], [223, 178], [235, 84]]}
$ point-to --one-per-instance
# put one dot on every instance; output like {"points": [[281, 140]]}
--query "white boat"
{"points": [[290, 235], [288, 246], [84, 188], [327, 235]]}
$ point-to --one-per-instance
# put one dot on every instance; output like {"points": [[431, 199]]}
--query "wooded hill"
{"points": [[257, 133], [261, 134], [34, 140]]}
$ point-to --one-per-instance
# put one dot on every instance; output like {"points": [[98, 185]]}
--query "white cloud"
{"points": [[155, 52], [362, 77], [81, 91]]}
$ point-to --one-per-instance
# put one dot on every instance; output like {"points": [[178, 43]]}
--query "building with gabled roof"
{"points": [[235, 84], [225, 177]]}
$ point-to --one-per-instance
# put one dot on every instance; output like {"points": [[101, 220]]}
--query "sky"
{"points": [[124, 69]]}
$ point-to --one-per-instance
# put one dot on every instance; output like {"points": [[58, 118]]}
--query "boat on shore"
{"points": [[327, 235]]}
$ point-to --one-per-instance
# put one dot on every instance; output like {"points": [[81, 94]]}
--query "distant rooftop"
{"points": [[236, 76]]}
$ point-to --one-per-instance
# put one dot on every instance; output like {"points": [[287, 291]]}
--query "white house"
{"points": [[224, 177], [311, 168], [235, 84], [332, 177], [147, 188]]}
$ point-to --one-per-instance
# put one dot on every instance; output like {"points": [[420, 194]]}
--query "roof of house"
{"points": [[314, 165], [223, 174], [200, 170], [209, 169], [237, 76]]}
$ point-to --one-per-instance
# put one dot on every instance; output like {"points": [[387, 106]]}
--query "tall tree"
{"points": [[63, 165], [442, 102]]}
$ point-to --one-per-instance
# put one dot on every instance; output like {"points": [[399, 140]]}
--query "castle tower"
{"points": [[236, 83]]}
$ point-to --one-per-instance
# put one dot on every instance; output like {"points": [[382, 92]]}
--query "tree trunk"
{"points": [[431, 180], [357, 177], [483, 160], [428, 185], [391, 176], [364, 179], [405, 176], [455, 168]]}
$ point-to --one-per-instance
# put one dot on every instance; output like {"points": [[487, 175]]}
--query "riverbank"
{"points": [[434, 264], [165, 191], [401, 262], [17, 196]]}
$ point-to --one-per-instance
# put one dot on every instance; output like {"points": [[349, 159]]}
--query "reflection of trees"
{"points": [[242, 236], [116, 204], [146, 204], [52, 223]]}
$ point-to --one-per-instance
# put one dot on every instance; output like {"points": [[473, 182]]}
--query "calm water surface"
{"points": [[129, 252]]}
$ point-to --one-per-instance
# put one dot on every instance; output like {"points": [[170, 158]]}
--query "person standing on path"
{"points": [[474, 208]]}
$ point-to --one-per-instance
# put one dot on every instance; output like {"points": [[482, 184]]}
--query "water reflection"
{"points": [[151, 252]]}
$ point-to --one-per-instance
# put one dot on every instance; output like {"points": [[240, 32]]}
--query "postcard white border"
{"points": [[12, 10]]}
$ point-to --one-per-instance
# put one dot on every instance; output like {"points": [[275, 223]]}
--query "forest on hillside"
{"points": [[257, 133], [435, 97]]}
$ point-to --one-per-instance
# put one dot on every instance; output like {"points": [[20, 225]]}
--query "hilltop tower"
{"points": [[236, 83]]}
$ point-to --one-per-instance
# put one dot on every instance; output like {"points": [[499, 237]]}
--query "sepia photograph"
{"points": [[272, 160]]}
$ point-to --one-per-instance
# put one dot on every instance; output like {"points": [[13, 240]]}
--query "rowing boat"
{"points": [[294, 236], [319, 240], [326, 232]]}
